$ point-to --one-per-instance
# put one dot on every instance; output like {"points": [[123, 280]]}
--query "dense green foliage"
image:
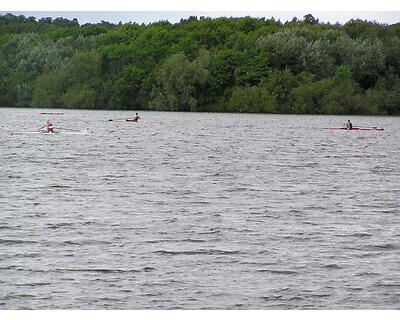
{"points": [[225, 64]]}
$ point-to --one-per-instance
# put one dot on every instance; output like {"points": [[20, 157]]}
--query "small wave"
{"points": [[394, 211], [388, 246], [69, 242], [191, 240], [365, 255], [200, 202], [13, 176], [17, 241], [320, 295], [310, 223], [361, 235], [152, 294], [5, 227], [97, 270], [356, 289], [30, 270], [148, 269], [311, 165], [85, 242], [60, 225], [174, 240], [288, 272], [58, 186], [379, 169], [260, 264], [33, 284], [89, 222], [27, 255], [356, 234], [198, 252], [367, 274], [295, 298], [9, 268], [237, 189], [314, 208], [272, 298], [83, 190], [387, 285], [332, 266], [19, 295], [210, 232]]}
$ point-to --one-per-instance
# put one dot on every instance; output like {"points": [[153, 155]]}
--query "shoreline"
{"points": [[211, 112]]}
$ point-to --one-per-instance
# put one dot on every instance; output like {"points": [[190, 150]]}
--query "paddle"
{"points": [[121, 119], [68, 129], [53, 113], [374, 127]]}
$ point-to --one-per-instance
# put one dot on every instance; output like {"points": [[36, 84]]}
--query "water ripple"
{"points": [[198, 211]]}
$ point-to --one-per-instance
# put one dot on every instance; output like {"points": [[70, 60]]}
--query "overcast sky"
{"points": [[388, 17]]}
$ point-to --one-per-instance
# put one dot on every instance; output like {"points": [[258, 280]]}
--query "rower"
{"points": [[349, 125], [136, 117], [49, 126]]}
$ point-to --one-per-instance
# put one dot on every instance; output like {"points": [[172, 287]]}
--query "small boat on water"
{"points": [[49, 132], [52, 113], [125, 120], [134, 119], [357, 129]]}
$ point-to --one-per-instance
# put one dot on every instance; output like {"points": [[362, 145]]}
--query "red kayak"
{"points": [[357, 128]]}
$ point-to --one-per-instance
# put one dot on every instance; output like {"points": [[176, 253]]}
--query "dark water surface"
{"points": [[195, 211]]}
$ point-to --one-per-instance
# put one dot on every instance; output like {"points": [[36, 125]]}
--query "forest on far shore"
{"points": [[246, 64]]}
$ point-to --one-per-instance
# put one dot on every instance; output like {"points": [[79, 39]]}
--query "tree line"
{"points": [[246, 64]]}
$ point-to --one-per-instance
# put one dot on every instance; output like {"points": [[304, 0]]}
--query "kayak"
{"points": [[49, 132], [357, 129], [53, 113], [126, 119]]}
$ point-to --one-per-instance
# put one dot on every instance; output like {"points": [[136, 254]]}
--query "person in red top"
{"points": [[49, 126]]}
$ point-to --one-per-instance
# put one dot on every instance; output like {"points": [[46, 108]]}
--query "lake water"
{"points": [[198, 211]]}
